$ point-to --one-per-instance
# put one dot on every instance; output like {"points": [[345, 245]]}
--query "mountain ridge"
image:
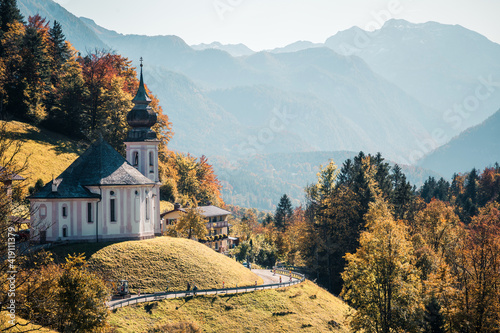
{"points": [[477, 147]]}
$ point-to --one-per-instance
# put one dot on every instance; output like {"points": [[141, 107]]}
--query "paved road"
{"points": [[270, 278], [270, 281]]}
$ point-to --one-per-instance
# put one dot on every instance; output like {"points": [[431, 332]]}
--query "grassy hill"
{"points": [[148, 264], [49, 153], [300, 308], [154, 264]]}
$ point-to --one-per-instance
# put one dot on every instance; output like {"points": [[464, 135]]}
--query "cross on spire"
{"points": [[141, 95]]}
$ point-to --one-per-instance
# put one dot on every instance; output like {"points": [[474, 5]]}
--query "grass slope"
{"points": [[154, 264], [23, 325], [300, 308], [49, 153]]}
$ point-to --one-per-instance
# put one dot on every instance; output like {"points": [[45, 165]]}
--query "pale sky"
{"points": [[266, 24]]}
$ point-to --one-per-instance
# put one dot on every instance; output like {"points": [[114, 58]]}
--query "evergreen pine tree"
{"points": [[283, 213], [9, 13], [402, 195], [267, 220], [443, 190], [382, 176], [35, 70], [469, 198], [427, 191], [58, 48]]}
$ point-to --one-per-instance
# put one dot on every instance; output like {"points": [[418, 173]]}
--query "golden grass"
{"points": [[155, 264], [22, 327], [49, 153], [300, 308]]}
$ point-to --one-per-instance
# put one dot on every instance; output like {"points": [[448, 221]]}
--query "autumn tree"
{"points": [[67, 297], [296, 236], [185, 178], [489, 186], [476, 306], [192, 224], [81, 298], [380, 280], [98, 69]]}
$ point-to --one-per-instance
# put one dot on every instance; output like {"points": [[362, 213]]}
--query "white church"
{"points": [[102, 196]]}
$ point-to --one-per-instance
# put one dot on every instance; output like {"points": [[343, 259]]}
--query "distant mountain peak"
{"points": [[236, 50], [399, 24], [297, 46]]}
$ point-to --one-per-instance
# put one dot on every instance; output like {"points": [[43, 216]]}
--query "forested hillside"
{"points": [[364, 229], [260, 181]]}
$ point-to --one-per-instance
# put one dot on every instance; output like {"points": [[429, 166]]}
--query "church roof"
{"points": [[100, 165]]}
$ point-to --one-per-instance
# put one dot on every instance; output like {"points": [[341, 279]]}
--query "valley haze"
{"points": [[373, 81]]}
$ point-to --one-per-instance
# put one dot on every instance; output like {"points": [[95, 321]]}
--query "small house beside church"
{"points": [[216, 224]]}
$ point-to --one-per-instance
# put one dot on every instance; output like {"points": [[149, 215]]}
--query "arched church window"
{"points": [[151, 162], [135, 158], [112, 207], [90, 213]]}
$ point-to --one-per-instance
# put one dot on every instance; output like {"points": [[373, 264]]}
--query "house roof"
{"points": [[6, 175], [100, 165], [171, 211], [207, 211]]}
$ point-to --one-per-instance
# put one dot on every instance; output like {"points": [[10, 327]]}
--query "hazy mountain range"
{"points": [[235, 50], [403, 90], [477, 147]]}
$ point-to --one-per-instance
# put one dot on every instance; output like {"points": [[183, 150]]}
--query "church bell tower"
{"points": [[142, 143]]}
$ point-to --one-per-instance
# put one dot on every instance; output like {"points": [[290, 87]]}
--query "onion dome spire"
{"points": [[142, 95], [142, 117]]}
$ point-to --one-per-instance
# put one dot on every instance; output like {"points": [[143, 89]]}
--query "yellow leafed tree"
{"points": [[380, 280]]}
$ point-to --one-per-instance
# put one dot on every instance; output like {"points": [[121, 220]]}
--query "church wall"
{"points": [[71, 215]]}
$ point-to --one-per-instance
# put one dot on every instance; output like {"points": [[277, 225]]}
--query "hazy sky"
{"points": [[265, 24]]}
